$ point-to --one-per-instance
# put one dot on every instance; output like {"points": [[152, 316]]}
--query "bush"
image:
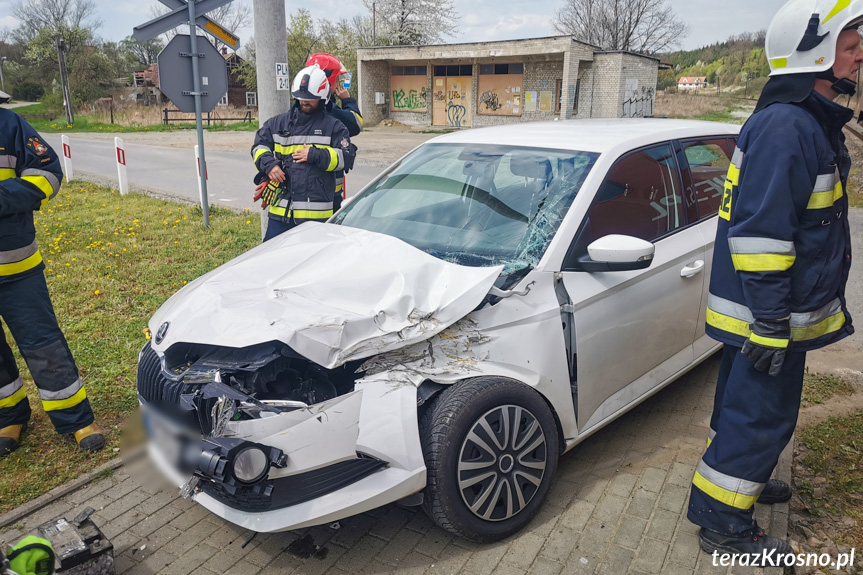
{"points": [[28, 91]]}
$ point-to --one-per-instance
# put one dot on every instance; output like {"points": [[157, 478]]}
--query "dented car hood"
{"points": [[332, 293]]}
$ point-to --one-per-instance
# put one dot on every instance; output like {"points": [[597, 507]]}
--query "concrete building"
{"points": [[490, 83]]}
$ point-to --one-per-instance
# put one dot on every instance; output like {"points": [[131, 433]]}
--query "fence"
{"points": [[211, 117]]}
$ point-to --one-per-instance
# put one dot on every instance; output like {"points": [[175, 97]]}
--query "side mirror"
{"points": [[616, 253]]}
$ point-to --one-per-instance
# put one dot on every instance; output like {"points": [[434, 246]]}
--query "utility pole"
{"points": [[64, 80], [271, 47], [374, 26], [2, 81]]}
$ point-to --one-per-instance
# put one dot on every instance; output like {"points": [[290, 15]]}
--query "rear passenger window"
{"points": [[640, 196], [708, 163]]}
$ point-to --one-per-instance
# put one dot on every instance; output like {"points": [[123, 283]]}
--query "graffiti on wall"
{"points": [[490, 100], [439, 96], [455, 113], [412, 100], [638, 103]]}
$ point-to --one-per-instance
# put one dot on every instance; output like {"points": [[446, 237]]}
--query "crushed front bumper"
{"points": [[344, 456]]}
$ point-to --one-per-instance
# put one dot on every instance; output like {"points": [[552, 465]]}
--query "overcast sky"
{"points": [[480, 20]]}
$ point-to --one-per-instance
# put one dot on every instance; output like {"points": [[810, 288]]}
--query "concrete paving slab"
{"points": [[618, 506]]}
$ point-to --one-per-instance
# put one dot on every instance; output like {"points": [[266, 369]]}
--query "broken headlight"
{"points": [[230, 461]]}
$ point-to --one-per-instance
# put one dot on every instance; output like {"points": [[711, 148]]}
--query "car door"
{"points": [[704, 165], [632, 330]]}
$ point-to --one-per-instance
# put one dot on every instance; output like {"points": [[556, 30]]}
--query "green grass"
{"points": [[724, 116], [56, 123], [819, 387], [111, 261], [836, 453]]}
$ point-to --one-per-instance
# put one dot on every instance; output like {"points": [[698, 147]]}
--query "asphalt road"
{"points": [[172, 171]]}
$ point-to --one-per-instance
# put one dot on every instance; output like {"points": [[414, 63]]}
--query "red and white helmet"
{"points": [[331, 66], [311, 83]]}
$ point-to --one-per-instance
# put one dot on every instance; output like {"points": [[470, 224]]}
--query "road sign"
{"points": [[283, 78], [206, 24], [175, 78], [177, 16]]}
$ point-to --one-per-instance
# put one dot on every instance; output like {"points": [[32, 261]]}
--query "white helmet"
{"points": [[311, 84], [802, 36]]}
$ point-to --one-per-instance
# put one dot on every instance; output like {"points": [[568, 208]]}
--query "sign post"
{"points": [[122, 178], [191, 12], [67, 158]]}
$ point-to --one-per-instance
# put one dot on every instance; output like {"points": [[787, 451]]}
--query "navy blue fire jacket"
{"points": [[783, 246], [30, 175]]}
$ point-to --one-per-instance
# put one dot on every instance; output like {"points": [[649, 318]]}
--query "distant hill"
{"points": [[728, 63]]}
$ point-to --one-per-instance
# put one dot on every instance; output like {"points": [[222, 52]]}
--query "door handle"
{"points": [[689, 271]]}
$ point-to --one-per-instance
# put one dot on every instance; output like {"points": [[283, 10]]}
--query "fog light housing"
{"points": [[231, 462], [250, 465]]}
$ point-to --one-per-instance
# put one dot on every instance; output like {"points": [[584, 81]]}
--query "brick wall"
{"points": [[372, 77], [641, 74]]}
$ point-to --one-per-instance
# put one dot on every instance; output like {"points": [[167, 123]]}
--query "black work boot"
{"points": [[775, 492], [10, 438], [90, 438], [755, 542]]}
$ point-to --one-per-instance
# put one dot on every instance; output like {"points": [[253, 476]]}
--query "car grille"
{"points": [[164, 395], [299, 488]]}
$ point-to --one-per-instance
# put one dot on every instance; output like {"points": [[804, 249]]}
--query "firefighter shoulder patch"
{"points": [[345, 143], [38, 147]]}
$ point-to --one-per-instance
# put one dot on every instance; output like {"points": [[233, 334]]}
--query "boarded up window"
{"points": [[408, 85], [500, 90]]}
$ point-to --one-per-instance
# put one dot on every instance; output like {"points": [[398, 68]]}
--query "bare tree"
{"points": [[53, 16], [38, 15], [412, 22], [633, 25]]}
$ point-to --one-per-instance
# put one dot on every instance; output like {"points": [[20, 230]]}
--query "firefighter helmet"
{"points": [[311, 84], [802, 36], [331, 66]]}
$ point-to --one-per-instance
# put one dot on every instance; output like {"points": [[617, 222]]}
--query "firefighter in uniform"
{"points": [[780, 265], [348, 113], [30, 176], [299, 152]]}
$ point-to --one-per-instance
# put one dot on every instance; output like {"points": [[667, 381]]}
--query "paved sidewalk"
{"points": [[618, 506]]}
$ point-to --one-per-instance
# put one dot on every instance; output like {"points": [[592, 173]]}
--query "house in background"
{"points": [[692, 82], [237, 94], [147, 92]]}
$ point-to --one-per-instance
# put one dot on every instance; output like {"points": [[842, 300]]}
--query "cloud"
{"points": [[505, 27]]}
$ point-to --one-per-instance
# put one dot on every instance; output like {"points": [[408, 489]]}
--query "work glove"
{"points": [[269, 192], [767, 344]]}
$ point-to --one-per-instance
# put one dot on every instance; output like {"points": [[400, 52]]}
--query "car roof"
{"points": [[589, 135]]}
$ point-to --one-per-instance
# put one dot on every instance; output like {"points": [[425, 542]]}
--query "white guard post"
{"points": [[198, 175], [121, 166], [67, 158]]}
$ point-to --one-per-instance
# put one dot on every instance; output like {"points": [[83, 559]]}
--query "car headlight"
{"points": [[251, 465]]}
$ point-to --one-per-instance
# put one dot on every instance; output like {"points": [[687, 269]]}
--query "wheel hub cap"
{"points": [[502, 463]]}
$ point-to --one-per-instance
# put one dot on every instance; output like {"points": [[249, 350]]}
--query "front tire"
{"points": [[490, 447]]}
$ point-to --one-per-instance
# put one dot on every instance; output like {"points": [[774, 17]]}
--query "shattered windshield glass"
{"points": [[474, 204]]}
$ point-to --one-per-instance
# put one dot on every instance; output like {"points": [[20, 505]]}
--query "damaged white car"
{"points": [[489, 301]]}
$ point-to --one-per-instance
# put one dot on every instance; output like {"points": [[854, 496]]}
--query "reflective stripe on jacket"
{"points": [[30, 176], [310, 185], [783, 247]]}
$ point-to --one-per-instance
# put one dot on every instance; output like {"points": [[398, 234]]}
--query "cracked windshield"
{"points": [[475, 205]]}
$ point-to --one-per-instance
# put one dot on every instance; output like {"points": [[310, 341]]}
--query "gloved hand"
{"points": [[269, 192], [767, 344]]}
